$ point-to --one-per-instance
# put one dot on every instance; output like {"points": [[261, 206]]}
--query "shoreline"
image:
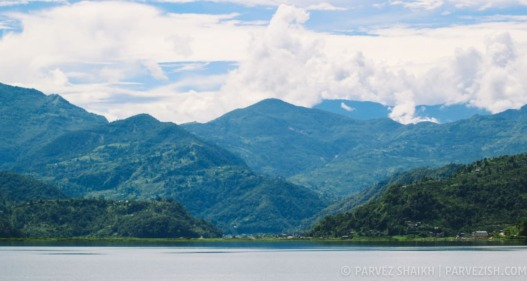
{"points": [[366, 241]]}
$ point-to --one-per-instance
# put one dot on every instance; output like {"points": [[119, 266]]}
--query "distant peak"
{"points": [[272, 100], [272, 104], [142, 117], [19, 92]]}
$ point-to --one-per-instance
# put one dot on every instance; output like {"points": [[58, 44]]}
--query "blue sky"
{"points": [[185, 60]]}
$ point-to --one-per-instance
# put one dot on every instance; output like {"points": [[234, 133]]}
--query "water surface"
{"points": [[263, 261]]}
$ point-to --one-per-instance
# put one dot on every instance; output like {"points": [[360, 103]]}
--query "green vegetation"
{"points": [[140, 158], [490, 195], [338, 156], [280, 139], [19, 188], [378, 189], [30, 208], [107, 218], [31, 119]]}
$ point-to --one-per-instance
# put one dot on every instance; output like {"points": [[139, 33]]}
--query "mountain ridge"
{"points": [[488, 194], [35, 118], [30, 208], [338, 156], [366, 110], [142, 158]]}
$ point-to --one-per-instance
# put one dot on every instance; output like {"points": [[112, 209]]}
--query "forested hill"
{"points": [[31, 119], [489, 194], [30, 208], [16, 188], [340, 156], [141, 158]]}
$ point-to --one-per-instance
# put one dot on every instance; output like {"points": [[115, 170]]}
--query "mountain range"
{"points": [[489, 194], [267, 168], [142, 158], [366, 110], [338, 156]]}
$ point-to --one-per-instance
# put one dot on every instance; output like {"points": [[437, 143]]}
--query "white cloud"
{"points": [[190, 67], [155, 70], [4, 3], [419, 4], [328, 5], [325, 6], [486, 4], [284, 62], [90, 44], [346, 107], [94, 55], [457, 4], [345, 5], [401, 67]]}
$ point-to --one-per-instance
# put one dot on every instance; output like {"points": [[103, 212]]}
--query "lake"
{"points": [[261, 261]]}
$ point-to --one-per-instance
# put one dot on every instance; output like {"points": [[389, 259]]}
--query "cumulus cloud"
{"points": [[104, 46], [282, 63], [298, 66], [94, 57]]}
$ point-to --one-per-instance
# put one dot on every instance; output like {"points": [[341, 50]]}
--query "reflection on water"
{"points": [[232, 261]]}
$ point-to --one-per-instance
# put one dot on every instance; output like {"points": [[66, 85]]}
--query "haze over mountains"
{"points": [[339, 156], [365, 110], [269, 167]]}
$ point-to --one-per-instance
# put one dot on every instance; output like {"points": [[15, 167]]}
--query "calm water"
{"points": [[263, 261]]}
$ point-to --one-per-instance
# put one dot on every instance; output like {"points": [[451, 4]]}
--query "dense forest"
{"points": [[28, 210], [338, 156], [141, 158], [490, 194]]}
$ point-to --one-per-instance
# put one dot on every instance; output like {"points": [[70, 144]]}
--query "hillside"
{"points": [[339, 156], [281, 139], [106, 218], [365, 110], [15, 188], [378, 189], [141, 158], [31, 208], [31, 119], [490, 194]]}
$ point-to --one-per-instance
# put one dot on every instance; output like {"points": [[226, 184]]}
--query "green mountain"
{"points": [[281, 139], [31, 208], [366, 110], [489, 194], [378, 189], [339, 156], [31, 119], [68, 218], [141, 158], [15, 188]]}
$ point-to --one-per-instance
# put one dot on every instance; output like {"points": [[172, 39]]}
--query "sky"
{"points": [[191, 60]]}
